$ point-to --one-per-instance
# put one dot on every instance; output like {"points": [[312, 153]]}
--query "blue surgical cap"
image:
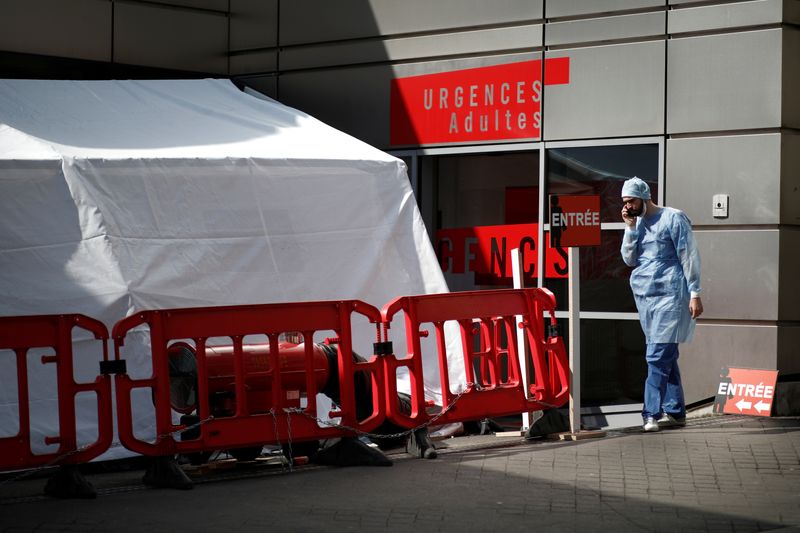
{"points": [[636, 188]]}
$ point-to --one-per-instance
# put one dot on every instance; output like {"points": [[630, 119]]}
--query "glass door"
{"points": [[479, 202], [613, 368]]}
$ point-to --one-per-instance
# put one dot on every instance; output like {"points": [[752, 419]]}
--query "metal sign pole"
{"points": [[575, 222], [573, 267]]}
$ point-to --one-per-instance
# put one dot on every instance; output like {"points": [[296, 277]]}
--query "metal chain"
{"points": [[289, 411], [187, 428], [286, 461], [58, 459], [51, 463], [289, 439], [550, 405], [405, 433], [360, 433]]}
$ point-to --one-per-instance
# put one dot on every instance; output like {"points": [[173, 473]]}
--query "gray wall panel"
{"points": [[736, 15], [447, 65], [739, 273], [79, 29], [405, 48], [371, 18], [344, 97], [170, 38], [218, 5], [791, 8], [790, 179], [715, 346], [355, 100], [605, 29], [724, 82], [790, 275], [254, 62], [568, 8], [254, 24], [746, 167], [791, 78], [264, 84], [613, 91]]}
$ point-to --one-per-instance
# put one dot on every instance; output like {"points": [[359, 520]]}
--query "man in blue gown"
{"points": [[659, 243]]}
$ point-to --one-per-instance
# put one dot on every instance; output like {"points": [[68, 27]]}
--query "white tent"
{"points": [[119, 196]]}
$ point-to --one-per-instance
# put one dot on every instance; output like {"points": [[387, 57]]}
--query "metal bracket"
{"points": [[382, 348], [116, 366]]}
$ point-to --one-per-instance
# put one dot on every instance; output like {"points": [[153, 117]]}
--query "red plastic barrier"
{"points": [[486, 324], [257, 386], [24, 333], [257, 414]]}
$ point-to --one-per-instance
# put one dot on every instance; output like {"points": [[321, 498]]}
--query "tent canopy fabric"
{"points": [[164, 119], [119, 196]]}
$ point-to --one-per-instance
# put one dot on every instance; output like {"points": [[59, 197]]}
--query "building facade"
{"points": [[497, 105]]}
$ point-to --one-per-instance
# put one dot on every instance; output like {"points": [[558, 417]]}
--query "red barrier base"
{"points": [[164, 472], [69, 482], [350, 452], [420, 444]]}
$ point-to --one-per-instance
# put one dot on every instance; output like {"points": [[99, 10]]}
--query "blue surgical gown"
{"points": [[662, 249]]}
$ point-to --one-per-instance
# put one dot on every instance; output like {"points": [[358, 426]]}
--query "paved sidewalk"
{"points": [[717, 474]]}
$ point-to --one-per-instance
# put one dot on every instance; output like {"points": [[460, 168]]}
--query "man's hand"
{"points": [[629, 219], [696, 307]]}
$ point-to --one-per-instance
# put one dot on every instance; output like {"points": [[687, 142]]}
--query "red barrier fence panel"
{"points": [[241, 400], [486, 327], [550, 383], [54, 332]]}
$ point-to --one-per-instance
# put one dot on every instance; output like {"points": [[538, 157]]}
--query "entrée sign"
{"points": [[745, 391], [575, 220], [479, 104]]}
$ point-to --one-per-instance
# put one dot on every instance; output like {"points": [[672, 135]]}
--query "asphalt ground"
{"points": [[720, 473]]}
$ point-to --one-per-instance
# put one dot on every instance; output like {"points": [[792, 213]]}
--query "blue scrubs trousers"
{"points": [[663, 392]]}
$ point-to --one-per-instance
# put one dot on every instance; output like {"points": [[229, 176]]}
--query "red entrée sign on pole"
{"points": [[574, 221]]}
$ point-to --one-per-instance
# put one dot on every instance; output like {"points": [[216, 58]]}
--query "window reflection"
{"points": [[486, 205], [600, 170], [604, 276], [613, 367]]}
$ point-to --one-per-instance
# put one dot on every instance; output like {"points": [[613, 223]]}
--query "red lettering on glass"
{"points": [[479, 104], [486, 251]]}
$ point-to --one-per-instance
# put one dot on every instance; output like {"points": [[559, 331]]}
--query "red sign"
{"points": [[744, 391], [486, 251], [479, 104], [574, 220]]}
